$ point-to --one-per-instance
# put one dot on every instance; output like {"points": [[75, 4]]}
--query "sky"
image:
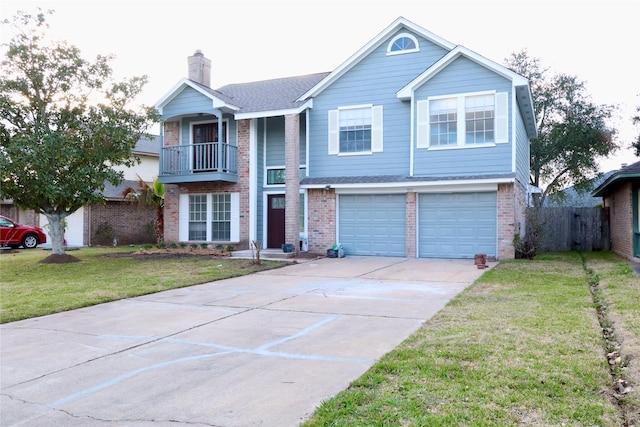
{"points": [[597, 41]]}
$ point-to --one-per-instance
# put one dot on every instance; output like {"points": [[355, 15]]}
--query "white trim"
{"points": [[412, 120], [306, 128], [253, 182], [514, 145], [183, 218], [355, 107], [403, 51], [234, 234], [411, 185], [468, 187], [381, 38], [377, 129], [274, 113], [501, 117]]}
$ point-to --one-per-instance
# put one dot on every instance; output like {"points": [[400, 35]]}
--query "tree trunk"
{"points": [[56, 232]]}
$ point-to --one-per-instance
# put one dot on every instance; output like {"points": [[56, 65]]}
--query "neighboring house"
{"points": [[116, 218], [578, 198], [621, 194], [413, 147]]}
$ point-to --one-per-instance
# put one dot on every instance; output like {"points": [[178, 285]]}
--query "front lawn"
{"points": [[522, 346], [29, 288]]}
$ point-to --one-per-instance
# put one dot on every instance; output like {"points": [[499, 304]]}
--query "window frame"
{"points": [[500, 121], [377, 130], [233, 213], [393, 41], [267, 169]]}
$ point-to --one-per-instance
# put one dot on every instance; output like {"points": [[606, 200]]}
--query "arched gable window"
{"points": [[403, 43]]}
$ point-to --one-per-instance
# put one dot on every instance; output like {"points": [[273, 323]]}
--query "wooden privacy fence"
{"points": [[571, 229]]}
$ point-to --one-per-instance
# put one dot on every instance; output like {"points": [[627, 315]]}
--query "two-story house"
{"points": [[413, 147]]}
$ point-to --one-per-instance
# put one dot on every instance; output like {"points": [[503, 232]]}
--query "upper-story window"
{"points": [[462, 120], [355, 130], [403, 43]]}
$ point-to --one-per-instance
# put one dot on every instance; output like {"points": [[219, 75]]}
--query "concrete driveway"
{"points": [[258, 350]]}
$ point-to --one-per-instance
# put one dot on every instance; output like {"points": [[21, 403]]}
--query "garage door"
{"points": [[372, 224], [457, 225]]}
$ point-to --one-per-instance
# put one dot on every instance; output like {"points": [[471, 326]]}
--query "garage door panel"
{"points": [[457, 225], [372, 224]]}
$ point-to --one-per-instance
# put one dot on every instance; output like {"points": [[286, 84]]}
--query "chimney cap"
{"points": [[198, 52]]}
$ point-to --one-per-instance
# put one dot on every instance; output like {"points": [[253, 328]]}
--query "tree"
{"points": [[572, 131], [64, 122], [151, 195]]}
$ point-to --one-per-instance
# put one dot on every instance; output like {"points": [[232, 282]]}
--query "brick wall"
{"points": [[292, 178], [171, 133], [322, 220], [509, 214], [620, 206], [173, 191], [129, 223]]}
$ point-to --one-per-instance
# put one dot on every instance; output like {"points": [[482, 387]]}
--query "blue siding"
{"points": [[522, 151], [464, 76], [188, 101], [275, 141], [374, 80]]}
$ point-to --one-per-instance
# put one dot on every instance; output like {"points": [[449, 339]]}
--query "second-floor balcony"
{"points": [[207, 161]]}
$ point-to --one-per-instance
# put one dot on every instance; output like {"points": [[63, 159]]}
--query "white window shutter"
{"points": [[235, 217], [334, 133], [502, 117], [183, 218], [422, 121], [376, 129]]}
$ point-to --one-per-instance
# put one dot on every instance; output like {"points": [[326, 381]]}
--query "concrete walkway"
{"points": [[258, 350]]}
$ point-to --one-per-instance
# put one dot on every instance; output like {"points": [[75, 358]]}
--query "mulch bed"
{"points": [[59, 259]]}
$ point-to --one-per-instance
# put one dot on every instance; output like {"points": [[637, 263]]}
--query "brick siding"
{"points": [[130, 223], [173, 191], [322, 219], [620, 203]]}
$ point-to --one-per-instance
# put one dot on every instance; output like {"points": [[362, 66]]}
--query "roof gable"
{"points": [[520, 83], [218, 100], [397, 25]]}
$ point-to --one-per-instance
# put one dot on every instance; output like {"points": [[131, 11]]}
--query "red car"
{"points": [[15, 235]]}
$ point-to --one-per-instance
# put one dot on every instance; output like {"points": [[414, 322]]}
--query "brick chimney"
{"points": [[200, 68]]}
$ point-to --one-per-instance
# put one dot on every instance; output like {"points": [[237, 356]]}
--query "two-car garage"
{"points": [[448, 225]]}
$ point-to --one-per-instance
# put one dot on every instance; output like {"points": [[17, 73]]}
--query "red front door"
{"points": [[275, 220]]}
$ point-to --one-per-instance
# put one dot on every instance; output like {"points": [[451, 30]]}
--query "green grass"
{"points": [[29, 288], [522, 346]]}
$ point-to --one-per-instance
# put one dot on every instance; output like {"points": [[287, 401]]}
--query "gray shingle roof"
{"points": [[267, 95], [148, 146], [628, 172]]}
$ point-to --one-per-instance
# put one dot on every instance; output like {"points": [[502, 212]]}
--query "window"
{"points": [[209, 217], [276, 176], [479, 115], [464, 120], [355, 130], [403, 43], [444, 122], [221, 217], [198, 217]]}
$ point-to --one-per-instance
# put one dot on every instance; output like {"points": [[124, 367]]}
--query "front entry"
{"points": [[275, 220]]}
